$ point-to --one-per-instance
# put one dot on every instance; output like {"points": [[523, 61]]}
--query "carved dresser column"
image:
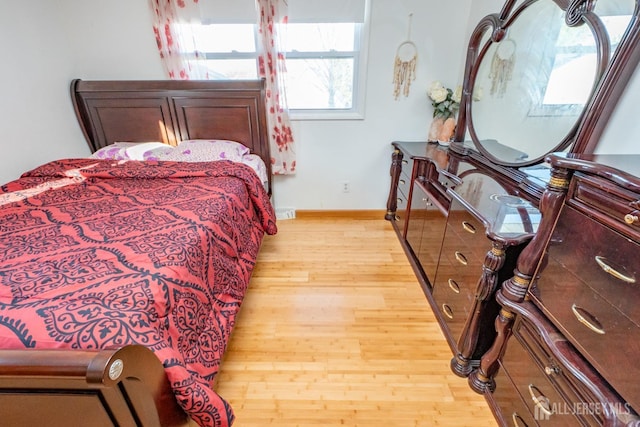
{"points": [[515, 288], [392, 200], [493, 262]]}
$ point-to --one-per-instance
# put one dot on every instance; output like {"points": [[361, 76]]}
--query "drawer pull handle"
{"points": [[541, 401], [447, 311], [587, 319], [403, 182], [468, 227], [518, 421], [454, 286], [551, 370], [631, 219], [602, 262], [400, 200], [461, 258]]}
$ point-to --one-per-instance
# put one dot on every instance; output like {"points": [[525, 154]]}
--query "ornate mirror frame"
{"points": [[613, 72]]}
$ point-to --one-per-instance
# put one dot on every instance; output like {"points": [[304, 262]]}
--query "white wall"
{"points": [[622, 134], [330, 152], [47, 44], [34, 81]]}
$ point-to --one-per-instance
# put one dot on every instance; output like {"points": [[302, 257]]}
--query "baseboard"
{"points": [[350, 214]]}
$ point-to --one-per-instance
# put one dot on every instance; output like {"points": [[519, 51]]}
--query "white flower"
{"points": [[434, 86], [445, 103], [457, 95], [439, 94]]}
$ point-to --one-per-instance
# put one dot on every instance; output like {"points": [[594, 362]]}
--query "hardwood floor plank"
{"points": [[335, 331]]}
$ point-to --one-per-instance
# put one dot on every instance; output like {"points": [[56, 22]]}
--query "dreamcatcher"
{"points": [[404, 69], [502, 67]]}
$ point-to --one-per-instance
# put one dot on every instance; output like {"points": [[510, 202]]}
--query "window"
{"points": [[229, 49], [326, 55]]}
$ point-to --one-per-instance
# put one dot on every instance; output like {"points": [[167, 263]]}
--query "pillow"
{"points": [[206, 150], [257, 164], [130, 150], [209, 150]]}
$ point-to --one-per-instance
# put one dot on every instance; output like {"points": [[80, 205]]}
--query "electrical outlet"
{"points": [[346, 186]]}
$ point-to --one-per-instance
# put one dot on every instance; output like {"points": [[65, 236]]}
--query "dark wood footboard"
{"points": [[124, 387]]}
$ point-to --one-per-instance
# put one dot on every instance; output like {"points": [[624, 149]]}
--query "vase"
{"points": [[447, 130], [435, 128]]}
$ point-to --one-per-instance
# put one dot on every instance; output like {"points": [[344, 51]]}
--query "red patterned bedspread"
{"points": [[100, 254]]}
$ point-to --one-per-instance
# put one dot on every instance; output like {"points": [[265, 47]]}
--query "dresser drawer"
{"points": [[591, 308], [610, 204], [401, 210], [470, 239], [607, 262], [603, 334], [513, 410], [404, 183], [453, 299], [459, 268], [543, 383]]}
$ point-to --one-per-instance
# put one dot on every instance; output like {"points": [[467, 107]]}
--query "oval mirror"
{"points": [[532, 81]]}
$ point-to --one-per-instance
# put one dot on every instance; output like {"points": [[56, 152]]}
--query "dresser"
{"points": [[462, 226], [529, 260], [568, 333]]}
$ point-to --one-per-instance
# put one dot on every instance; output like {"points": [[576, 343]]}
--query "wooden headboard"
{"points": [[171, 111]]}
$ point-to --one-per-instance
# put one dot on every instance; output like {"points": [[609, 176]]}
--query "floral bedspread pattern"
{"points": [[100, 254]]}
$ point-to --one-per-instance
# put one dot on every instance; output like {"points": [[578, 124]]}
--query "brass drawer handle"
{"points": [[461, 258], [602, 262], [447, 311], [468, 227], [551, 370], [631, 219], [518, 421], [454, 286], [587, 319], [540, 400]]}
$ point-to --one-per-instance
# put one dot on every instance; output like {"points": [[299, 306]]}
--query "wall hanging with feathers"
{"points": [[404, 69]]}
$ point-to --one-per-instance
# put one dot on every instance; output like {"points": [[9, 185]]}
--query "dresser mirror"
{"points": [[533, 72]]}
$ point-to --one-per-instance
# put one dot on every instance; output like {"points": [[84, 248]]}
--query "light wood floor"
{"points": [[335, 331]]}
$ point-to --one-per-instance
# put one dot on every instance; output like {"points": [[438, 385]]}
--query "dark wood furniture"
{"points": [[123, 387], [462, 226], [127, 386], [569, 324], [171, 111], [499, 152]]}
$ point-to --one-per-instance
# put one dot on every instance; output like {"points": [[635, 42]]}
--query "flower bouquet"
{"points": [[445, 104]]}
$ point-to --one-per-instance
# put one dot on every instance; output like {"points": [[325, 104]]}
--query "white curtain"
{"points": [[172, 22], [272, 17], [178, 48]]}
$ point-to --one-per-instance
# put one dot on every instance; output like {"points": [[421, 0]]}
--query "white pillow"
{"points": [[206, 150], [209, 150]]}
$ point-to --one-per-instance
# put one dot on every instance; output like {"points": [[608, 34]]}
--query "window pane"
{"points": [[320, 83], [226, 38], [222, 69], [321, 37]]}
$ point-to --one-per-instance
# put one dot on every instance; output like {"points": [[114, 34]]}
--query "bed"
{"points": [[121, 278]]}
